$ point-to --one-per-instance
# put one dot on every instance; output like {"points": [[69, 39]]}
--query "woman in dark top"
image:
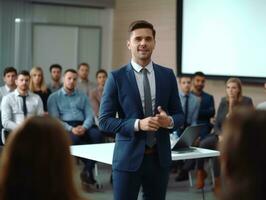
{"points": [[232, 100], [37, 85]]}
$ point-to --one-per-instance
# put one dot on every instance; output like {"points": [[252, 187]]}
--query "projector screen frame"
{"points": [[179, 43]]}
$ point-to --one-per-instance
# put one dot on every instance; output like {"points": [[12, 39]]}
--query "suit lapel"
{"points": [[158, 90], [134, 86]]}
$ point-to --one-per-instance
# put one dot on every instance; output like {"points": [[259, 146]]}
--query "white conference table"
{"points": [[104, 152]]}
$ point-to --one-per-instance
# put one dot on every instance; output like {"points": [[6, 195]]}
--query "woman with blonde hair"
{"points": [[36, 162], [228, 104], [38, 86], [242, 155]]}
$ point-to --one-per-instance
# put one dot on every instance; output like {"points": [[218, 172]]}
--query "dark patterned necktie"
{"points": [[25, 111], [150, 139], [186, 111]]}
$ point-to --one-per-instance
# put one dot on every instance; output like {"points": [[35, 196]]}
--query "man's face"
{"points": [[199, 83], [10, 79], [23, 82], [56, 74], [101, 78], [185, 84], [70, 81], [141, 44], [83, 72]]}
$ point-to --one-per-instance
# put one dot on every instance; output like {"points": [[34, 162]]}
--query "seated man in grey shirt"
{"points": [[20, 103], [55, 71], [84, 84]]}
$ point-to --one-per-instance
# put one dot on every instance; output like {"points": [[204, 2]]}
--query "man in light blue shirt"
{"points": [[190, 103], [72, 107]]}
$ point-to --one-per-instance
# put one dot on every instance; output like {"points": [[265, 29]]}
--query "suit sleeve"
{"points": [[221, 115], [175, 108], [195, 113], [108, 109], [210, 111], [6, 114]]}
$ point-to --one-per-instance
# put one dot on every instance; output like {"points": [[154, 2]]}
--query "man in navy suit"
{"points": [[145, 97]]}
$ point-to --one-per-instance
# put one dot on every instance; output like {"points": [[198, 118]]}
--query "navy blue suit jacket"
{"points": [[121, 95]]}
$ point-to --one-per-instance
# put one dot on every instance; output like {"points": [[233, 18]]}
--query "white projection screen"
{"points": [[222, 38]]}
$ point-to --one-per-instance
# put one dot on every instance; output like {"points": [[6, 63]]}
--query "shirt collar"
{"points": [[83, 81], [7, 88], [65, 92], [138, 68], [182, 94], [17, 93]]}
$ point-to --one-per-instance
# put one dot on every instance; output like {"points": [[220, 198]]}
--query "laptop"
{"points": [[184, 142]]}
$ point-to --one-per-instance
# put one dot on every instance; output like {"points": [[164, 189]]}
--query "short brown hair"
{"points": [[70, 70], [101, 71], [141, 24], [83, 64], [8, 70]]}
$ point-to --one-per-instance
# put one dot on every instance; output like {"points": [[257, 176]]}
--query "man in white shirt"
{"points": [[9, 77], [20, 103]]}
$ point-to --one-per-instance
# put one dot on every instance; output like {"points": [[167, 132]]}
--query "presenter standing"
{"points": [[145, 96]]}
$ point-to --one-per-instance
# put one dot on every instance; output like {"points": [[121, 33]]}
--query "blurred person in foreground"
{"points": [[36, 162], [242, 161]]}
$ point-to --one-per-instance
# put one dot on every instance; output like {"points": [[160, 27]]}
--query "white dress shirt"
{"points": [[139, 78], [4, 90], [12, 108]]}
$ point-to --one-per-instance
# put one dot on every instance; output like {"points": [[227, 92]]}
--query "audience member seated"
{"points": [[9, 77], [55, 71], [190, 105], [262, 105], [36, 163], [233, 100], [207, 109], [84, 84], [20, 103], [37, 85], [96, 93], [242, 156], [72, 107]]}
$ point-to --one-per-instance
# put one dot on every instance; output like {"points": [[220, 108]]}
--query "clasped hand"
{"points": [[160, 120], [78, 130]]}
